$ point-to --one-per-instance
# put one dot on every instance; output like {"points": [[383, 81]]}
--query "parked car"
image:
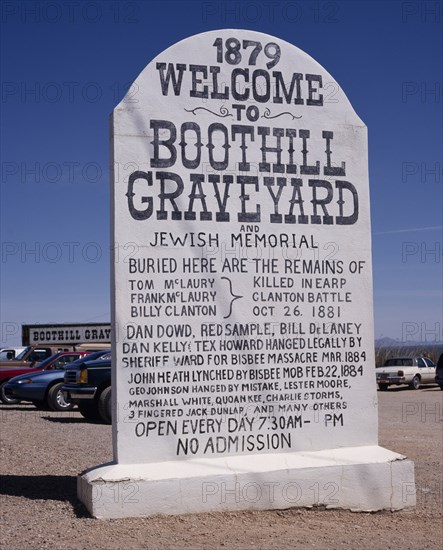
{"points": [[43, 388], [413, 371], [7, 354], [89, 383], [439, 372], [52, 362]]}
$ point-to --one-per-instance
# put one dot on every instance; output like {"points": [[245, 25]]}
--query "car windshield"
{"points": [[22, 354], [43, 364], [401, 362]]}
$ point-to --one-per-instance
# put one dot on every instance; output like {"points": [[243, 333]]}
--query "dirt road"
{"points": [[42, 453]]}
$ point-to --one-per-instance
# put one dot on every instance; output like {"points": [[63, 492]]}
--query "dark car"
{"points": [[43, 388], [89, 383], [439, 372], [52, 362]]}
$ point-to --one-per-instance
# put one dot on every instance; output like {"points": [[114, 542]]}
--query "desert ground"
{"points": [[42, 453]]}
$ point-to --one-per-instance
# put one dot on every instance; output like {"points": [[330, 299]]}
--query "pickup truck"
{"points": [[32, 355], [89, 384], [439, 372], [413, 371], [6, 354]]}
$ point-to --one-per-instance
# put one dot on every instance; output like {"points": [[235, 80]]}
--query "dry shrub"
{"points": [[382, 353]]}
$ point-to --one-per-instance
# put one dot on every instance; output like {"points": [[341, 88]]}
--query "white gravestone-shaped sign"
{"points": [[242, 290]]}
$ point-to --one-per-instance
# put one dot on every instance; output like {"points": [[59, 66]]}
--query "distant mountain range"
{"points": [[387, 342]]}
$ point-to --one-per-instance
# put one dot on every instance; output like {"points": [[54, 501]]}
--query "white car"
{"points": [[413, 371]]}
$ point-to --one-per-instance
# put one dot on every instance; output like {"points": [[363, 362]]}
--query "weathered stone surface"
{"points": [[242, 284]]}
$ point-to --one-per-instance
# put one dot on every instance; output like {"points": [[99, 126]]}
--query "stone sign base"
{"points": [[361, 479]]}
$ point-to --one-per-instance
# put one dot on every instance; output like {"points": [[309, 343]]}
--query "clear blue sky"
{"points": [[66, 65]]}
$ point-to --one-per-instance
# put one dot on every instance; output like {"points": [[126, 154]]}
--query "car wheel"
{"points": [[415, 384], [88, 409], [56, 399], [383, 387], [4, 398], [104, 405]]}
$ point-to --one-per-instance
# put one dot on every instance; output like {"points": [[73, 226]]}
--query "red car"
{"points": [[52, 362]]}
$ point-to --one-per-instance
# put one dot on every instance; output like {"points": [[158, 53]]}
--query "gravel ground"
{"points": [[42, 453]]}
